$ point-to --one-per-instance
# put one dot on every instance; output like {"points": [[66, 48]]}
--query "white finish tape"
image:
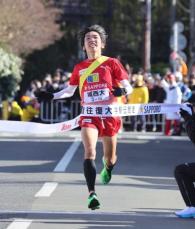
{"points": [[91, 110]]}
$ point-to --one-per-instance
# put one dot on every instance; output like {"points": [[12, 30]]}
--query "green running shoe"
{"points": [[105, 174], [93, 202]]}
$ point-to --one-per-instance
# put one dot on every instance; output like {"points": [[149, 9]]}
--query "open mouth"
{"points": [[92, 45]]}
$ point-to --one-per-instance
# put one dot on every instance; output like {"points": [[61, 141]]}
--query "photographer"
{"points": [[185, 173]]}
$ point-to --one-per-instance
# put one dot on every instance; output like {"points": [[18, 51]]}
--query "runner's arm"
{"points": [[124, 90], [65, 93], [125, 83]]}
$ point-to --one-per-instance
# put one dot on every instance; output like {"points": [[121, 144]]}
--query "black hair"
{"points": [[97, 28]]}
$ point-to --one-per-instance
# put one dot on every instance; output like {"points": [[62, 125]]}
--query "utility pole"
{"points": [[147, 36], [192, 32], [172, 13]]}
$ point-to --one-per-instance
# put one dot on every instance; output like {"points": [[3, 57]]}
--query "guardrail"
{"points": [[59, 111]]}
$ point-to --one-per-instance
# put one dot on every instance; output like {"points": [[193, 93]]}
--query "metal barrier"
{"points": [[152, 123], [59, 111]]}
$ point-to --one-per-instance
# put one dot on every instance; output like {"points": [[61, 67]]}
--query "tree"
{"points": [[28, 25], [10, 74]]}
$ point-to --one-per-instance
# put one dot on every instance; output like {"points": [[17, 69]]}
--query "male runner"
{"points": [[103, 86]]}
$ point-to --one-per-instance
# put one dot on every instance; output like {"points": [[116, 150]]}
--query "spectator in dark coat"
{"points": [[185, 173]]}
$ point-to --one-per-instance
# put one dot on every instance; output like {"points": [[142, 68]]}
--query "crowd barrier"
{"points": [[59, 111]]}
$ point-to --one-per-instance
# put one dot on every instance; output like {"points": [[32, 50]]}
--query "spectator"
{"points": [[157, 94], [47, 83], [192, 69], [186, 92], [192, 87], [34, 86], [151, 88], [129, 71], [160, 94], [16, 111], [139, 95], [178, 64], [173, 96], [30, 109]]}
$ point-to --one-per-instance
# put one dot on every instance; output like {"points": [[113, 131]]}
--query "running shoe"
{"points": [[93, 202], [105, 174], [188, 212]]}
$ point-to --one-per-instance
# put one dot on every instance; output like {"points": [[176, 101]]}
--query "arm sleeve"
{"points": [[65, 93], [73, 83], [125, 83]]}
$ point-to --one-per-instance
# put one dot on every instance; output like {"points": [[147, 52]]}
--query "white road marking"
{"points": [[47, 189], [63, 164], [20, 224]]}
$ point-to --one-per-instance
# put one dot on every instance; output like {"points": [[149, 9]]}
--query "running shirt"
{"points": [[99, 84]]}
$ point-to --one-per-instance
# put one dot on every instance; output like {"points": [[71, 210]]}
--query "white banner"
{"points": [[131, 109], [93, 110], [38, 128]]}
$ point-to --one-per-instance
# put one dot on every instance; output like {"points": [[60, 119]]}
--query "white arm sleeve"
{"points": [[127, 86], [65, 93]]}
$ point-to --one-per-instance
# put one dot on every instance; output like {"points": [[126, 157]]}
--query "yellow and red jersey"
{"points": [[97, 88]]}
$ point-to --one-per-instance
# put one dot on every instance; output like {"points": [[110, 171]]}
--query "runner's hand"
{"points": [[118, 91], [44, 96]]}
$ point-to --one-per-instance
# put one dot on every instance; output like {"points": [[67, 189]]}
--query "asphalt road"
{"points": [[42, 185]]}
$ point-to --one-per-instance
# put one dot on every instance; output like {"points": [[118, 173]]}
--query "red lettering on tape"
{"points": [[66, 127]]}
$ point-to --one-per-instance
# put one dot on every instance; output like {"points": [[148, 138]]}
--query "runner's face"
{"points": [[93, 42]]}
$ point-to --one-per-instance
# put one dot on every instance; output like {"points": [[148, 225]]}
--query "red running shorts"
{"points": [[106, 126]]}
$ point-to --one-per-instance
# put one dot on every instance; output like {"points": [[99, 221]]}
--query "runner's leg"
{"points": [[185, 177], [109, 159], [89, 139], [109, 148]]}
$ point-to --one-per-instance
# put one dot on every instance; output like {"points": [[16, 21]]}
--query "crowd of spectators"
{"points": [[27, 108], [173, 87]]}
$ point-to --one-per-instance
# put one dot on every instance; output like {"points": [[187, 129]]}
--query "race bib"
{"points": [[96, 95]]}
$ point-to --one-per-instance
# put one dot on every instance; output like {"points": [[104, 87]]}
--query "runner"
{"points": [[105, 85], [185, 173]]}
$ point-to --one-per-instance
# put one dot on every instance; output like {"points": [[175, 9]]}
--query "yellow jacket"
{"points": [[16, 110], [139, 95], [29, 112]]}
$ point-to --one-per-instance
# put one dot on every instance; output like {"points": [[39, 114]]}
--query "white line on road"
{"points": [[20, 224], [63, 164], [47, 189]]}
